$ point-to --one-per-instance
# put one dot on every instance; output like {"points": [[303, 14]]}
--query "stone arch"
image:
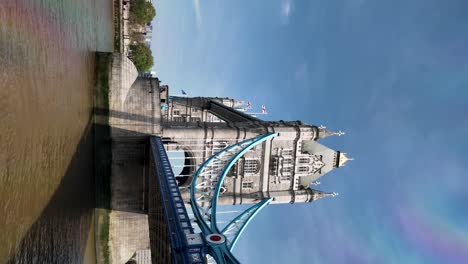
{"points": [[185, 157], [188, 169]]}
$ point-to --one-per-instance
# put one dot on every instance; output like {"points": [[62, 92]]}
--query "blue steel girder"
{"points": [[204, 193], [234, 229]]}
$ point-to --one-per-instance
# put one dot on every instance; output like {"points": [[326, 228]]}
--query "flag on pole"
{"points": [[183, 92], [264, 109], [249, 105]]}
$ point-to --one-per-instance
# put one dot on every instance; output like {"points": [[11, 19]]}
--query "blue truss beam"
{"points": [[222, 253], [254, 141], [243, 220]]}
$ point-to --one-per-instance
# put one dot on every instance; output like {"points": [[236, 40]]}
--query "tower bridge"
{"points": [[233, 158], [228, 158], [283, 167]]}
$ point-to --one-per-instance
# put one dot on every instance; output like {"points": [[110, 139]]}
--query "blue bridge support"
{"points": [[172, 236]]}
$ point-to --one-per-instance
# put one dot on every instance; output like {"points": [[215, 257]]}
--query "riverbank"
{"points": [[124, 111], [120, 157], [102, 144]]}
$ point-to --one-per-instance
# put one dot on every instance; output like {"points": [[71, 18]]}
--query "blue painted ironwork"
{"points": [[238, 224], [204, 194], [186, 246]]}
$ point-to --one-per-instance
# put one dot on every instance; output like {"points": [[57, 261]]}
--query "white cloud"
{"points": [[286, 10], [198, 17]]}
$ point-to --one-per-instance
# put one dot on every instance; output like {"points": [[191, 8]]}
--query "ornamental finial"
{"points": [[323, 132], [319, 194], [343, 159]]}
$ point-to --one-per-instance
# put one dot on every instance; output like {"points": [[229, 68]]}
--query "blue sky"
{"points": [[392, 74]]}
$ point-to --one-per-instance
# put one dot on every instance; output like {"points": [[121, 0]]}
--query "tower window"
{"points": [[287, 170], [286, 178], [302, 169], [251, 166], [304, 160], [179, 119], [247, 185], [221, 144], [176, 112], [287, 152], [287, 161]]}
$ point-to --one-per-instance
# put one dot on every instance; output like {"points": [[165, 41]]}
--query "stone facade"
{"points": [[133, 116], [282, 168]]}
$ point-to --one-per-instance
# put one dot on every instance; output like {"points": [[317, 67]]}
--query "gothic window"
{"points": [[221, 144], [304, 160], [287, 170], [287, 161], [287, 152], [251, 166], [286, 177], [232, 171], [222, 189], [176, 112], [247, 185], [302, 169], [179, 119]]}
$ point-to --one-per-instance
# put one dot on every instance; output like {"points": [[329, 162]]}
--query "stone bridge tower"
{"points": [[282, 168]]}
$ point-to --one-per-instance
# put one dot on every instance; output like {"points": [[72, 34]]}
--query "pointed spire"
{"points": [[343, 159], [323, 132], [316, 195]]}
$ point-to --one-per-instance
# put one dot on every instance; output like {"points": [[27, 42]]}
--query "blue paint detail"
{"points": [[255, 208], [255, 141], [181, 250], [221, 253]]}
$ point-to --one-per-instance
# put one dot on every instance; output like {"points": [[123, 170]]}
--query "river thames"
{"points": [[47, 75]]}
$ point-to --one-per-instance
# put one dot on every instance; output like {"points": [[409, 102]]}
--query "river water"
{"points": [[47, 77]]}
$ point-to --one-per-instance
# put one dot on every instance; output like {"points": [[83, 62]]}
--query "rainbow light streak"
{"points": [[434, 238]]}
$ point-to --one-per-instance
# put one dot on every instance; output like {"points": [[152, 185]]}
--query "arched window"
{"points": [[222, 190], [304, 160], [247, 185], [251, 166], [221, 144], [302, 169]]}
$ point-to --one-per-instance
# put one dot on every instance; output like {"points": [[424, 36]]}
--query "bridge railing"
{"points": [[166, 204]]}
